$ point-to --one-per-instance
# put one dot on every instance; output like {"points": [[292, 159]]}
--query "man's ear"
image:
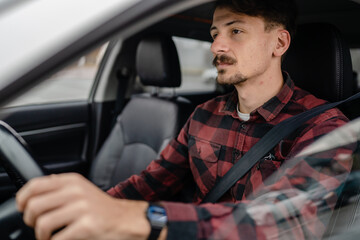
{"points": [[283, 43]]}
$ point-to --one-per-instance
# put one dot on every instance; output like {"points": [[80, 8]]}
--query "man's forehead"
{"points": [[224, 16], [225, 13], [221, 14]]}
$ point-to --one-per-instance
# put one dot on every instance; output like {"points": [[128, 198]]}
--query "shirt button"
{"points": [[243, 126], [258, 166], [236, 154]]}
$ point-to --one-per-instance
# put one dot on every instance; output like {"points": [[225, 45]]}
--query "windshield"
{"points": [[35, 30], [299, 199]]}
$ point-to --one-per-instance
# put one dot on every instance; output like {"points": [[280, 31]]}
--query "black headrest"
{"points": [[157, 62], [319, 61]]}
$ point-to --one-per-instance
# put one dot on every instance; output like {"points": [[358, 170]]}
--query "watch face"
{"points": [[157, 216]]}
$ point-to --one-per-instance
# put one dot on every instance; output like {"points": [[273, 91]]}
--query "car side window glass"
{"points": [[72, 83], [355, 57], [198, 73]]}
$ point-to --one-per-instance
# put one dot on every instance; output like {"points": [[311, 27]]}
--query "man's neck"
{"points": [[254, 92]]}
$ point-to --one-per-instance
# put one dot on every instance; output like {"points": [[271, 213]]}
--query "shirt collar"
{"points": [[271, 108], [230, 106]]}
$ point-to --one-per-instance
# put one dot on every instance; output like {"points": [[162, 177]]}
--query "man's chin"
{"points": [[222, 78], [232, 80], [222, 81]]}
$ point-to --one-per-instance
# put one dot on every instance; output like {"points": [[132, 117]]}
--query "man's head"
{"points": [[250, 37]]}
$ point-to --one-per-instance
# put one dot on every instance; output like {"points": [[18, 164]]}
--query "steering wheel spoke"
{"points": [[21, 167]]}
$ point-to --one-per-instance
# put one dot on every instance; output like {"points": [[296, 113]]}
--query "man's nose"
{"points": [[219, 45]]}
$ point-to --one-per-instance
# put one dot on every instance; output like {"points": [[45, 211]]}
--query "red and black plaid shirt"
{"points": [[212, 140]]}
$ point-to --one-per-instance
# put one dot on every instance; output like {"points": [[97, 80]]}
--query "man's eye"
{"points": [[214, 36], [236, 31]]}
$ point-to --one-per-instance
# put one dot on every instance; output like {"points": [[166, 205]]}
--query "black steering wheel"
{"points": [[21, 167]]}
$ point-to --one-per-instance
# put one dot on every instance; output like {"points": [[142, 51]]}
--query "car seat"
{"points": [[149, 121], [319, 61]]}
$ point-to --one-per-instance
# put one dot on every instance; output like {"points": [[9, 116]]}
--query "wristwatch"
{"points": [[157, 217]]}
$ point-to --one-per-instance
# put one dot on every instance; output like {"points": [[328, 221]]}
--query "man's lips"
{"points": [[222, 64]]}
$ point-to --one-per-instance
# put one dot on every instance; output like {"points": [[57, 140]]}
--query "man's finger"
{"points": [[34, 187], [41, 185], [52, 221], [45, 202]]}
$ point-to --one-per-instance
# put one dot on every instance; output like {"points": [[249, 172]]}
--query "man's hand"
{"points": [[82, 211]]}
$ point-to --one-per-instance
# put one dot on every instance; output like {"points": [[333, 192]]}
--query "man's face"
{"points": [[242, 48]]}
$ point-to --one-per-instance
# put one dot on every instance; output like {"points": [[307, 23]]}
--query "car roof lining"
{"points": [[195, 22]]}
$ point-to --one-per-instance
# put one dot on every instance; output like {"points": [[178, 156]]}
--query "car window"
{"points": [[197, 71], [72, 83], [355, 57]]}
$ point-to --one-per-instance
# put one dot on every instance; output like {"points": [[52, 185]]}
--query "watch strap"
{"points": [[154, 234], [156, 226]]}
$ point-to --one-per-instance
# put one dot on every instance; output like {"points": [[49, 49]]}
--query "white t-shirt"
{"points": [[243, 116]]}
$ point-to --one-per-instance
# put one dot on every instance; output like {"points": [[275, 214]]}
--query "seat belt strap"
{"points": [[263, 146]]}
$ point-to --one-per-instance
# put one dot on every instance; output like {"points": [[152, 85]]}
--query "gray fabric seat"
{"points": [[149, 121]]}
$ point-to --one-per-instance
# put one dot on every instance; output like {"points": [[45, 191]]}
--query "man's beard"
{"points": [[232, 80]]}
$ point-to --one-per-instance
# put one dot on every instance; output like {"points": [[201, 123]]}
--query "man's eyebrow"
{"points": [[235, 21], [213, 28], [228, 24]]}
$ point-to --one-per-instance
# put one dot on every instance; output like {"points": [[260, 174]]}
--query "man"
{"points": [[250, 39]]}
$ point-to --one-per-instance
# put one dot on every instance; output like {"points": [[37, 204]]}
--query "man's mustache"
{"points": [[223, 59]]}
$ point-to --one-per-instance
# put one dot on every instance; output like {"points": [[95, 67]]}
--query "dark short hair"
{"points": [[274, 12]]}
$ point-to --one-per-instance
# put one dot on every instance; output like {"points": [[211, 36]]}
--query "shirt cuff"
{"points": [[182, 220], [114, 192]]}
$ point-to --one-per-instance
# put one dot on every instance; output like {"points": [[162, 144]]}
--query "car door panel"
{"points": [[56, 135], [57, 147]]}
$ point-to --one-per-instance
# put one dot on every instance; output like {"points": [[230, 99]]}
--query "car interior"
{"points": [[148, 121], [135, 106]]}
